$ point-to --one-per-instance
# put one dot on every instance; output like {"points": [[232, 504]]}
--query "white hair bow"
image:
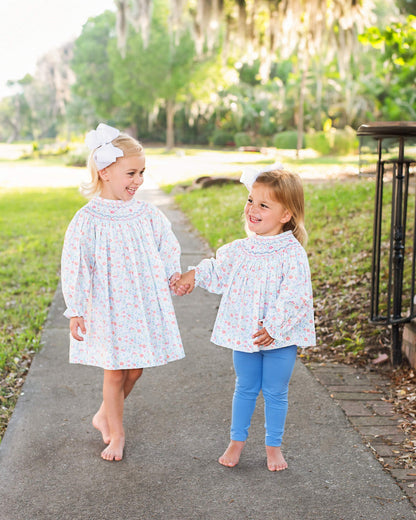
{"points": [[250, 174], [100, 140]]}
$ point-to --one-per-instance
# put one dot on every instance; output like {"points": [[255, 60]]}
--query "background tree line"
{"points": [[246, 72]]}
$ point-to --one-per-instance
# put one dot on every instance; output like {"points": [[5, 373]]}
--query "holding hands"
{"points": [[182, 284]]}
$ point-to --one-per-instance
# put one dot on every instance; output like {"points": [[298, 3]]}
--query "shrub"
{"points": [[319, 141], [222, 138], [345, 141], [286, 140], [242, 139], [334, 141], [76, 158]]}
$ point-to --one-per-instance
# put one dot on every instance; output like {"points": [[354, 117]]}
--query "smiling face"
{"points": [[264, 215], [121, 179]]}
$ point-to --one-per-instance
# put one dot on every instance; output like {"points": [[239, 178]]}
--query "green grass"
{"points": [[217, 213], [338, 217], [32, 227]]}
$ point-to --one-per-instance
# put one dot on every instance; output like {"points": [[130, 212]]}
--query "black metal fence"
{"points": [[388, 151]]}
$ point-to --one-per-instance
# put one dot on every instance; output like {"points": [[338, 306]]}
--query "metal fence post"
{"points": [[400, 137]]}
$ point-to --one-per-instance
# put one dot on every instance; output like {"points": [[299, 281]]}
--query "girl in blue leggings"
{"points": [[266, 309]]}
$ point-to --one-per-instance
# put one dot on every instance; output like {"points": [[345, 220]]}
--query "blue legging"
{"points": [[269, 371]]}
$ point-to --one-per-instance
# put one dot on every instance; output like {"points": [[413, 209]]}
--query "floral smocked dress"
{"points": [[261, 279], [116, 262]]}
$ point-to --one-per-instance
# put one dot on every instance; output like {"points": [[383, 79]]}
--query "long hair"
{"points": [[286, 188], [129, 147]]}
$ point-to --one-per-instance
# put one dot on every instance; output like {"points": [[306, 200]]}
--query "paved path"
{"points": [[177, 422]]}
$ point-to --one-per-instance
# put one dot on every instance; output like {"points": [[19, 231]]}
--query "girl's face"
{"points": [[264, 215], [121, 179]]}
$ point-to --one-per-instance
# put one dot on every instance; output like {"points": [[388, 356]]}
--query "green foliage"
{"points": [[286, 140], [407, 6], [333, 141], [395, 73], [46, 148], [318, 141], [243, 139], [249, 73], [222, 138], [133, 89], [345, 141], [77, 158], [95, 78], [162, 69]]}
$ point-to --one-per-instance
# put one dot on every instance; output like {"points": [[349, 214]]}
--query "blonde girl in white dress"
{"points": [[266, 310], [118, 257]]}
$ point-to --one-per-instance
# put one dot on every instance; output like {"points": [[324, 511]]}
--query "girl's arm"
{"points": [[77, 263], [294, 302], [213, 274], [167, 243]]}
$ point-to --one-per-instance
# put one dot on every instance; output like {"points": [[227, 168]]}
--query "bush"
{"points": [[76, 158], [345, 141], [286, 140], [319, 141], [242, 139], [222, 138], [334, 141]]}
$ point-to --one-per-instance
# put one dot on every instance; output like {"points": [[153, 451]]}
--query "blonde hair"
{"points": [[127, 144], [286, 188]]}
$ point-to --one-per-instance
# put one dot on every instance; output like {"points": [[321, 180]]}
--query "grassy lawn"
{"points": [[32, 227]]}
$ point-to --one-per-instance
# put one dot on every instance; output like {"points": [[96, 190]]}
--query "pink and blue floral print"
{"points": [[116, 263]]}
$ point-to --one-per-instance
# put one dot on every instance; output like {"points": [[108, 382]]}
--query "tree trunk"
{"points": [[301, 101], [170, 130]]}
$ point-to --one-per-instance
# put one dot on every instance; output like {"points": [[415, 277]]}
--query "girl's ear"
{"points": [[103, 174], [286, 216]]}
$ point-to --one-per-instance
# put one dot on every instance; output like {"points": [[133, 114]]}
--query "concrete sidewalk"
{"points": [[177, 424]]}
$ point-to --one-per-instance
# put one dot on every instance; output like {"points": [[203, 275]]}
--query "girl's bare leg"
{"points": [[275, 459], [113, 393], [99, 420], [231, 456]]}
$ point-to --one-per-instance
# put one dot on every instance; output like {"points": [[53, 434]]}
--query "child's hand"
{"points": [[173, 279], [175, 285], [75, 323], [186, 284], [262, 337]]}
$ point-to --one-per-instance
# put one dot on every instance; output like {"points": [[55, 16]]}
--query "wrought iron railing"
{"points": [[394, 236]]}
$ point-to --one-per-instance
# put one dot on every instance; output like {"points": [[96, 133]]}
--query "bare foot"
{"points": [[231, 456], [99, 421], [114, 450], [275, 459]]}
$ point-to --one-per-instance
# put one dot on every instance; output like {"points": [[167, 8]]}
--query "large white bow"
{"points": [[250, 174], [100, 140]]}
